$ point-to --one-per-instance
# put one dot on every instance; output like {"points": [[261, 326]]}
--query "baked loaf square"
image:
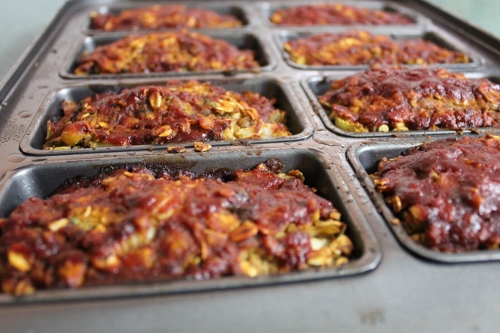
{"points": [[179, 112], [363, 48], [162, 17], [401, 99], [158, 223], [445, 193], [335, 14], [171, 51]]}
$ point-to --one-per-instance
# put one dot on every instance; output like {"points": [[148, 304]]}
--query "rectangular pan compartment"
{"points": [[285, 36], [267, 9], [364, 157], [318, 85], [298, 122], [42, 179], [241, 40], [117, 8]]}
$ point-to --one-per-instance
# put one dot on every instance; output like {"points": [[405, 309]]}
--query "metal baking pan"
{"points": [[365, 158], [242, 40], [343, 299], [116, 8], [318, 85], [298, 124], [285, 36], [268, 8], [41, 179]]}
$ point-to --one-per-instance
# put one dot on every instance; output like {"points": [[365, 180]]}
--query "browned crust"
{"points": [[137, 224], [161, 17], [363, 48], [177, 112], [335, 14], [399, 99], [445, 193], [180, 51]]}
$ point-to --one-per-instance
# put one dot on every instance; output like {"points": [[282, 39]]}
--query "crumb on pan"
{"points": [[176, 149], [202, 146]]}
